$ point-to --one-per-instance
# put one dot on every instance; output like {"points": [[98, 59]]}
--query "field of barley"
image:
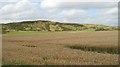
{"points": [[62, 48]]}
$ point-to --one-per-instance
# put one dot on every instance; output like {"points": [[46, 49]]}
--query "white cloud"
{"points": [[9, 0], [108, 13], [80, 0], [18, 11], [108, 16], [21, 6], [73, 15], [74, 11], [113, 11], [84, 4]]}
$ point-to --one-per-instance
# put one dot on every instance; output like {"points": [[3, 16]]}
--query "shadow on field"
{"points": [[95, 49]]}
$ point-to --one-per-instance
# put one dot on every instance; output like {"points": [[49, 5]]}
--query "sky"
{"points": [[67, 11]]}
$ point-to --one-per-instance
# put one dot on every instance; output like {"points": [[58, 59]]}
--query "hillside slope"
{"points": [[43, 25]]}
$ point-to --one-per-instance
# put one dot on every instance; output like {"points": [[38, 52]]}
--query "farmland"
{"points": [[60, 48]]}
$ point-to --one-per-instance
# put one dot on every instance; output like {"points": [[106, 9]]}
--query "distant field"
{"points": [[42, 32], [60, 48], [25, 32]]}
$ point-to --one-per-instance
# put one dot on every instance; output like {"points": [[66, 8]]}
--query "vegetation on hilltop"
{"points": [[42, 25]]}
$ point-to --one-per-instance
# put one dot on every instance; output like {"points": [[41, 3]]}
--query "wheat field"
{"points": [[63, 48]]}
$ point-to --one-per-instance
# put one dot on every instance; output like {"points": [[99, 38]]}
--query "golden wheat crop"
{"points": [[52, 48]]}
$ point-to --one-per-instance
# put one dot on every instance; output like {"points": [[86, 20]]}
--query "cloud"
{"points": [[86, 4], [21, 6], [113, 11], [73, 11], [110, 13], [72, 15], [65, 0], [19, 11], [2, 4], [108, 16], [9, 0], [105, 12]]}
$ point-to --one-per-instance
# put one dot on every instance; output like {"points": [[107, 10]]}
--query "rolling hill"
{"points": [[44, 25]]}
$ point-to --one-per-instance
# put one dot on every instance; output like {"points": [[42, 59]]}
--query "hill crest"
{"points": [[45, 25]]}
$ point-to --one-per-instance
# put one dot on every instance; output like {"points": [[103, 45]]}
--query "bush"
{"points": [[99, 29], [5, 31]]}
